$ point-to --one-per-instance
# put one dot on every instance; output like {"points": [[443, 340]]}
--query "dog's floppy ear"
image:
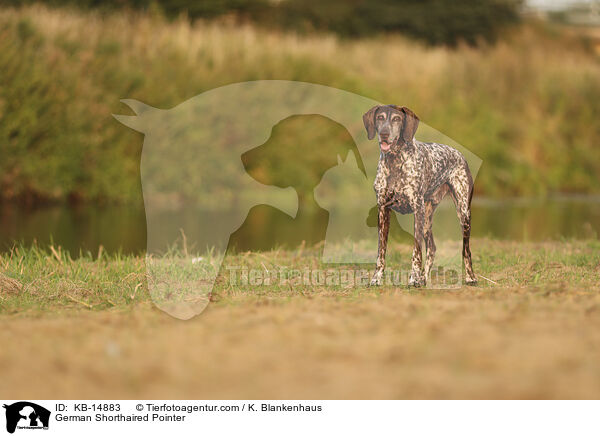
{"points": [[369, 121], [409, 124]]}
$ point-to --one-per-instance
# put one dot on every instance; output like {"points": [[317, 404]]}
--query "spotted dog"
{"points": [[413, 177]]}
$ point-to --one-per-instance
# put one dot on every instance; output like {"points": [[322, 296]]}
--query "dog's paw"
{"points": [[377, 279], [471, 282], [375, 282], [416, 280]]}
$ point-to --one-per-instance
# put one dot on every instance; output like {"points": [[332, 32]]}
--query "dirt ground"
{"points": [[468, 343]]}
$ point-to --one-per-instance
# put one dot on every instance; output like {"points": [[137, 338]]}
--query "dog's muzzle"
{"points": [[386, 144]]}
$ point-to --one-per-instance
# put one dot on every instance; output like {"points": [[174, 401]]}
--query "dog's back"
{"points": [[445, 163]]}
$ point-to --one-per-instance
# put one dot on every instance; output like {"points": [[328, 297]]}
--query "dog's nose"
{"points": [[384, 136]]}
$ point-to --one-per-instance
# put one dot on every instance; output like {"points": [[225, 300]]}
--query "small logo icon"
{"points": [[26, 415]]}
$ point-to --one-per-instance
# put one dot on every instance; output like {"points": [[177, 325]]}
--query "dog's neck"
{"points": [[397, 151]]}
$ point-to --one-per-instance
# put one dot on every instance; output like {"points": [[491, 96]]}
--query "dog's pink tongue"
{"points": [[385, 146]]}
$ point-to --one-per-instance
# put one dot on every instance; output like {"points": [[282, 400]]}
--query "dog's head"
{"points": [[395, 126]]}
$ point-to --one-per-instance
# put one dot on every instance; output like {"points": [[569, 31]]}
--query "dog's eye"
{"points": [[380, 117], [395, 119]]}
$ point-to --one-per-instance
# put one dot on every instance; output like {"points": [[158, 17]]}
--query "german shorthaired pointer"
{"points": [[413, 177]]}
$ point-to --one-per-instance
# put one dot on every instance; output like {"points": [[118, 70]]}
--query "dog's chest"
{"points": [[397, 183]]}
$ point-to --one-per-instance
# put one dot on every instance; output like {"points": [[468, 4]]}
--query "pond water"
{"points": [[118, 228]]}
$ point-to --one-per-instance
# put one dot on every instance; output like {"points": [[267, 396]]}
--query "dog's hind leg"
{"points": [[462, 192], [430, 206]]}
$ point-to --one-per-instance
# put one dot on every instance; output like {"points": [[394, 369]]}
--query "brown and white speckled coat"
{"points": [[413, 177]]}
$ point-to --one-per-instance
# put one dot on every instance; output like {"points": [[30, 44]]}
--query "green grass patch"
{"points": [[35, 279]]}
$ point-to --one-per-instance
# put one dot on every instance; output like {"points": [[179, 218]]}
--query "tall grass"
{"points": [[528, 105]]}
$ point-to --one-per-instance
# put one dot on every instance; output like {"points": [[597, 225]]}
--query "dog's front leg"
{"points": [[383, 222], [416, 275]]}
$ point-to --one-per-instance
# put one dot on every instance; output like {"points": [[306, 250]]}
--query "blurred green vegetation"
{"points": [[528, 105], [435, 21]]}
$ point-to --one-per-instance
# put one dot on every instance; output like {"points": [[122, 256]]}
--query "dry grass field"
{"points": [[86, 328]]}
